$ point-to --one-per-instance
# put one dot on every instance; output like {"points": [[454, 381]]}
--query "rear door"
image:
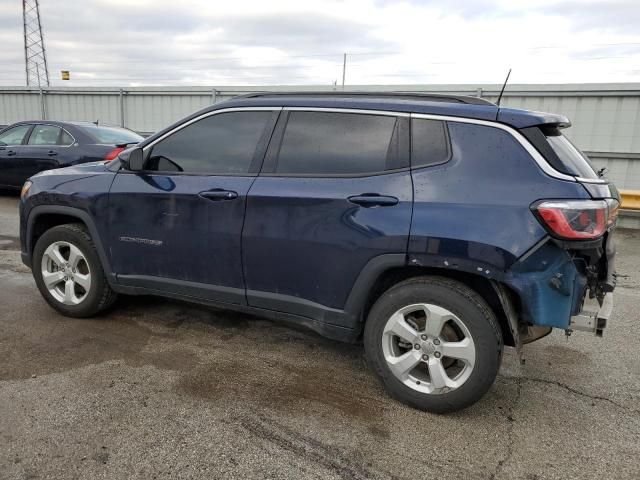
{"points": [[334, 193], [11, 151], [176, 226]]}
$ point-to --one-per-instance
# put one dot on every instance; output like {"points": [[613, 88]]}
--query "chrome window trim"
{"points": [[537, 157], [55, 145], [209, 114], [592, 180]]}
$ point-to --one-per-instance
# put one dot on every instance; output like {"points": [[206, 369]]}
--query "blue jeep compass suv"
{"points": [[436, 229]]}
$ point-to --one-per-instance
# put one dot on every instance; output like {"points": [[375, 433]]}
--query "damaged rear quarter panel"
{"points": [[473, 214]]}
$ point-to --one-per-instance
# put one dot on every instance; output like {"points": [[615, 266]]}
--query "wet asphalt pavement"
{"points": [[162, 389]]}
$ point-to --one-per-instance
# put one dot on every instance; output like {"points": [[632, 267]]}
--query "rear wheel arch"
{"points": [[389, 277]]}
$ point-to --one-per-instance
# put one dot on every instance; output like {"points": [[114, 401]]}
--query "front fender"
{"points": [[82, 216]]}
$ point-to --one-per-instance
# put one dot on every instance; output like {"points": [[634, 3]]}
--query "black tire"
{"points": [[99, 296], [470, 308]]}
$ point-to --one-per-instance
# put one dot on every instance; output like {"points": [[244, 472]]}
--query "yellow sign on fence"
{"points": [[65, 75]]}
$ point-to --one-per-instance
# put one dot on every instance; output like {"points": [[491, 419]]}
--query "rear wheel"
{"points": [[434, 342], [68, 272]]}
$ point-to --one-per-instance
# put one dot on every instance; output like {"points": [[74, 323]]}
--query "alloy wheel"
{"points": [[428, 348], [66, 273]]}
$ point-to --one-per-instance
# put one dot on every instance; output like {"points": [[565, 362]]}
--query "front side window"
{"points": [[429, 142], [44, 135], [15, 135], [222, 144], [328, 143]]}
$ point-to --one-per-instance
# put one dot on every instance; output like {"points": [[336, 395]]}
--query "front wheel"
{"points": [[68, 272], [435, 344]]}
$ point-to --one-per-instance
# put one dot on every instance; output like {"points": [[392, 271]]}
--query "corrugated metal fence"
{"points": [[606, 117]]}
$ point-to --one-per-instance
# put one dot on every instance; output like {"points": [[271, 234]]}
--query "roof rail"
{"points": [[428, 97]]}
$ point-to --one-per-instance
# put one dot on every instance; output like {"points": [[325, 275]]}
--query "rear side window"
{"points": [[574, 161], [559, 152], [328, 143], [15, 135], [222, 144], [429, 142], [66, 139], [44, 135]]}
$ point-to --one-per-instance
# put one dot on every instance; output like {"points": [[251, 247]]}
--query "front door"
{"points": [[11, 151], [335, 192], [176, 226], [43, 150]]}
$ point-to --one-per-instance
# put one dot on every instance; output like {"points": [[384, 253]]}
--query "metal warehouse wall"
{"points": [[606, 117]]}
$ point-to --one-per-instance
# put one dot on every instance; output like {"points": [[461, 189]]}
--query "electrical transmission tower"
{"points": [[35, 56]]}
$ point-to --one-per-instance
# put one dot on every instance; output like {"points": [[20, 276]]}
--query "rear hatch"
{"points": [[583, 227]]}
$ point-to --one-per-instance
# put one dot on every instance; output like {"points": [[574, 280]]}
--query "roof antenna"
{"points": [[98, 120], [504, 85]]}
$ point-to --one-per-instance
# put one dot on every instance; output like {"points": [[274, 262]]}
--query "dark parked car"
{"points": [[435, 229], [27, 148]]}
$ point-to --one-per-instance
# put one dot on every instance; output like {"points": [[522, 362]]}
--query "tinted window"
{"points": [[15, 135], [111, 135], [338, 144], [219, 144], [573, 160], [44, 135], [429, 142]]}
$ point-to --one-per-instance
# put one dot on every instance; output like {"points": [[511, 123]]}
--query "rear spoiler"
{"points": [[527, 118]]}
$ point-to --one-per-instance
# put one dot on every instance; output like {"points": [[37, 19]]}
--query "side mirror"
{"points": [[134, 161]]}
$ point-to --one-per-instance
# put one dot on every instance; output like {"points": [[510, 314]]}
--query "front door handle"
{"points": [[11, 153], [369, 200], [219, 195], [51, 153]]}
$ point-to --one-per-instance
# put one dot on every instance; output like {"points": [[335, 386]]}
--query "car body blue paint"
{"points": [[549, 286], [85, 187], [483, 227], [172, 232], [302, 240]]}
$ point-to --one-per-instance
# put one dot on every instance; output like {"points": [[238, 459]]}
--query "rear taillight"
{"points": [[577, 219], [614, 206], [113, 154]]}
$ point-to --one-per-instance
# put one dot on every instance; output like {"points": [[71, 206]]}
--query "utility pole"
{"points": [[35, 56], [344, 69]]}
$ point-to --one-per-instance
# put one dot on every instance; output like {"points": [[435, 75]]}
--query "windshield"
{"points": [[574, 161], [112, 135]]}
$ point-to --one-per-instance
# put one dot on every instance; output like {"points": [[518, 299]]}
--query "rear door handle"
{"points": [[219, 195], [51, 153], [11, 153], [368, 200]]}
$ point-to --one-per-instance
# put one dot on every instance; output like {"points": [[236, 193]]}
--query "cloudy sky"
{"points": [[200, 42]]}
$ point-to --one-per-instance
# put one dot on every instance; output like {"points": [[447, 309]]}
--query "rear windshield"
{"points": [[574, 161], [112, 135]]}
